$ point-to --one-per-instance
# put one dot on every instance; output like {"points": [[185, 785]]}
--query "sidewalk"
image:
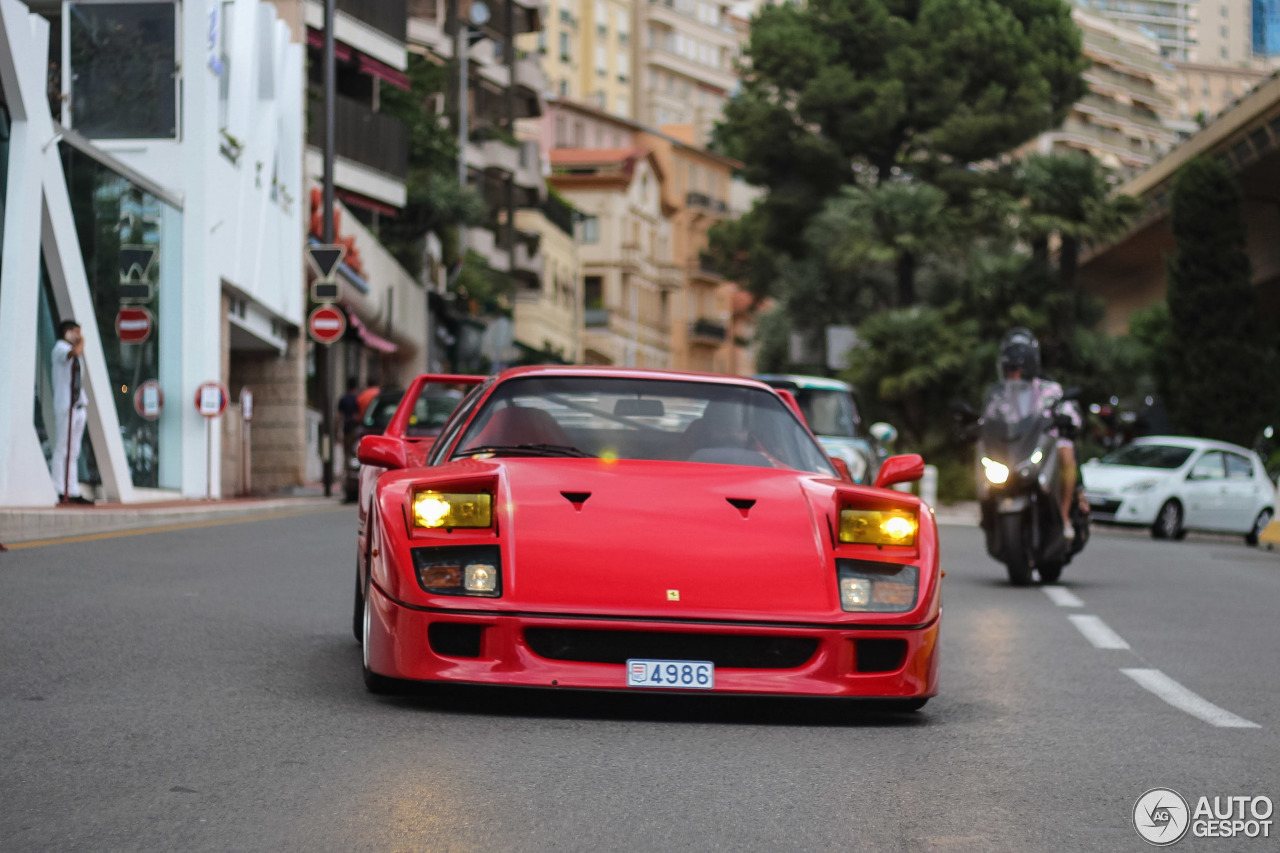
{"points": [[963, 514], [25, 524]]}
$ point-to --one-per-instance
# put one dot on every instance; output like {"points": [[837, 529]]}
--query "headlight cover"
{"points": [[1140, 487], [878, 526], [448, 510], [870, 587], [474, 571]]}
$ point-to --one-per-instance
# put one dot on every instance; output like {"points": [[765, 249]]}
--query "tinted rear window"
{"points": [[1149, 456]]}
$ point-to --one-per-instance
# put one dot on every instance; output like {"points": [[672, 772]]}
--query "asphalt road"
{"points": [[200, 690]]}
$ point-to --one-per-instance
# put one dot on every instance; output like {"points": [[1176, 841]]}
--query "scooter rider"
{"points": [[1020, 359]]}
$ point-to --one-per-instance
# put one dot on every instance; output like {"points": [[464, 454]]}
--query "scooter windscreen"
{"points": [[1010, 421]]}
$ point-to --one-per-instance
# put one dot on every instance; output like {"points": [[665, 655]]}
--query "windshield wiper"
{"points": [[529, 450]]}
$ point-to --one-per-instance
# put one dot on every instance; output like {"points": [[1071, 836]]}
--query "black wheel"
{"points": [[1050, 572], [1259, 524], [357, 610], [1168, 522], [373, 682], [1016, 547]]}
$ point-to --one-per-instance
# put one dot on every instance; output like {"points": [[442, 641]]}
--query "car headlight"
{"points": [[867, 587], [1140, 487], [878, 526], [432, 509], [997, 473], [459, 571]]}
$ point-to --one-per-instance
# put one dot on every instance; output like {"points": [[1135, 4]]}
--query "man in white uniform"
{"points": [[70, 407]]}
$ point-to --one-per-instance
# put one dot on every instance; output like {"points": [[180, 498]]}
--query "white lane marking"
{"points": [[1097, 632], [1062, 596], [1184, 700]]}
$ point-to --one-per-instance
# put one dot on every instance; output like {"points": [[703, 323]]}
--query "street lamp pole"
{"points": [[322, 350]]}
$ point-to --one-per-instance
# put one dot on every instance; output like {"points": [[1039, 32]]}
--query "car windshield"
{"points": [[623, 418], [1149, 456], [829, 412]]}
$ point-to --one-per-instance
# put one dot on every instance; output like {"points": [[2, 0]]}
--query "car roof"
{"points": [[612, 372], [820, 383], [1194, 443]]}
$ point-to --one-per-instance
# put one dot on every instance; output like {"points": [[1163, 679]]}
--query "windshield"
{"points": [[1149, 456], [1011, 402], [829, 412], [620, 418]]}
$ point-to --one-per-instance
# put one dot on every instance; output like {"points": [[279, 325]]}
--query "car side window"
{"points": [[1238, 467], [1208, 467]]}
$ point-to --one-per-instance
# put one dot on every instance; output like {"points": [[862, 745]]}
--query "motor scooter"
{"points": [[1019, 475]]}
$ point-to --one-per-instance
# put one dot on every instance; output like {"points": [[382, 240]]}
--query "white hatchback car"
{"points": [[1175, 484]]}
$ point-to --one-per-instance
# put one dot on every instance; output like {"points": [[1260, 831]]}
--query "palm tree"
{"points": [[1069, 195]]}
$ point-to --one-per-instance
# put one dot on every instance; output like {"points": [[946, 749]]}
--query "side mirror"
{"points": [[382, 452], [905, 468], [883, 432], [842, 468]]}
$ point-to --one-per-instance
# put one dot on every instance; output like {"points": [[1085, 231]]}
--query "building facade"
{"points": [[1126, 120], [141, 186], [1176, 25]]}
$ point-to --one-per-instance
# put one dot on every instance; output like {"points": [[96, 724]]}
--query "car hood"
{"points": [[661, 539], [1108, 479]]}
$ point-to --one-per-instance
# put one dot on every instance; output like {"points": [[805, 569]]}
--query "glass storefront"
{"points": [[4, 170], [131, 244]]}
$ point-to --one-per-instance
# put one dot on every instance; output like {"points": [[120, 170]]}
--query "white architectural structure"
{"points": [[185, 198]]}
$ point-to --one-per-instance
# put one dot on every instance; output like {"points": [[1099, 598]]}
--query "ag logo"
{"points": [[1161, 816]]}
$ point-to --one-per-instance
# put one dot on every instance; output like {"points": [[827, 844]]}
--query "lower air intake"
{"points": [[879, 655], [730, 651], [455, 640]]}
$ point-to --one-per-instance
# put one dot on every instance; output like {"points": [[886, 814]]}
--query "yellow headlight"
{"points": [[878, 526], [450, 510]]}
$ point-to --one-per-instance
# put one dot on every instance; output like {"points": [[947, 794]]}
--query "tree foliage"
{"points": [[1219, 366]]}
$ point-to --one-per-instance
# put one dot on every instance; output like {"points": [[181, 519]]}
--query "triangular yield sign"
{"points": [[325, 259]]}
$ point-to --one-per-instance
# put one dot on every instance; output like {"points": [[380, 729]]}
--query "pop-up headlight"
{"points": [[878, 526], [870, 587], [449, 510]]}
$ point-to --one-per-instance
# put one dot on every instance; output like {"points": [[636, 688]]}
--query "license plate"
{"points": [[677, 674]]}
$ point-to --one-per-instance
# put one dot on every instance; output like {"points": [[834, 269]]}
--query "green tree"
{"points": [[836, 89], [1069, 196], [435, 201], [1220, 379]]}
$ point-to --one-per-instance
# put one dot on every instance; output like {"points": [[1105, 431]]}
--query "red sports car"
{"points": [[623, 529]]}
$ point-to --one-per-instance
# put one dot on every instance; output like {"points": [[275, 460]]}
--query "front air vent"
{"points": [[742, 505], [576, 498], [879, 655], [731, 651], [455, 640]]}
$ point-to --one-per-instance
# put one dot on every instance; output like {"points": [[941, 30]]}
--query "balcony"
{"points": [[705, 330], [706, 202], [492, 155], [595, 318], [388, 16], [528, 73], [670, 276], [362, 136]]}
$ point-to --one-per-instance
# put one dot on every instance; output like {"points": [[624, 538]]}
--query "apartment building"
{"points": [[1176, 25], [1125, 120], [1204, 91], [587, 51]]}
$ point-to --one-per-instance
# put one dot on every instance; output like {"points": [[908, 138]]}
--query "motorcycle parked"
{"points": [[1018, 476]]}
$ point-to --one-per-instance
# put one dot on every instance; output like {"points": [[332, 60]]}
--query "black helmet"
{"points": [[1020, 350]]}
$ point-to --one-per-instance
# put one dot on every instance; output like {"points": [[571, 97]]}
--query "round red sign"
{"points": [[133, 324], [327, 324], [211, 399], [148, 400]]}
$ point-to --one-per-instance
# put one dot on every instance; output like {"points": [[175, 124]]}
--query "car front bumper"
{"points": [[401, 645], [1114, 508]]}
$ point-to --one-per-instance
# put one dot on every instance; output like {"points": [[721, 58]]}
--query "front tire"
{"points": [[1016, 548], [357, 611], [1050, 573], [1168, 523], [1259, 524], [374, 683]]}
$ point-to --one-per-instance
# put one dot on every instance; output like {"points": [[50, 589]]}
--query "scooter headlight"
{"points": [[997, 473]]}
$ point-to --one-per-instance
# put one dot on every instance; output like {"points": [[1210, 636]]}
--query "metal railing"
{"points": [[363, 136], [389, 16], [706, 329], [706, 202]]}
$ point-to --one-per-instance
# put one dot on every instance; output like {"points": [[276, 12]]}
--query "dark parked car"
{"points": [[431, 410]]}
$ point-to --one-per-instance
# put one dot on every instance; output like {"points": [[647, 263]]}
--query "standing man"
{"points": [[71, 407], [349, 409]]}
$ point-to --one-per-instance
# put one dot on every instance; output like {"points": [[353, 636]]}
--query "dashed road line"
{"points": [[1097, 632], [1062, 596], [1185, 700]]}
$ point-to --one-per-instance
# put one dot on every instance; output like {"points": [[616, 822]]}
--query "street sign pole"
{"points": [[322, 352]]}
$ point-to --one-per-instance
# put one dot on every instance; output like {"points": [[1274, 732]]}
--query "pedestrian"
{"points": [[71, 411], [349, 410]]}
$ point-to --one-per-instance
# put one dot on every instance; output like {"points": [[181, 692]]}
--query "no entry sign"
{"points": [[326, 324], [211, 399], [133, 324]]}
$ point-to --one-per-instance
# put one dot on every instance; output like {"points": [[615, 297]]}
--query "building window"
{"points": [[624, 66], [123, 69], [565, 56], [653, 79], [593, 292], [542, 43], [602, 60], [564, 88], [590, 230], [624, 106], [602, 18]]}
